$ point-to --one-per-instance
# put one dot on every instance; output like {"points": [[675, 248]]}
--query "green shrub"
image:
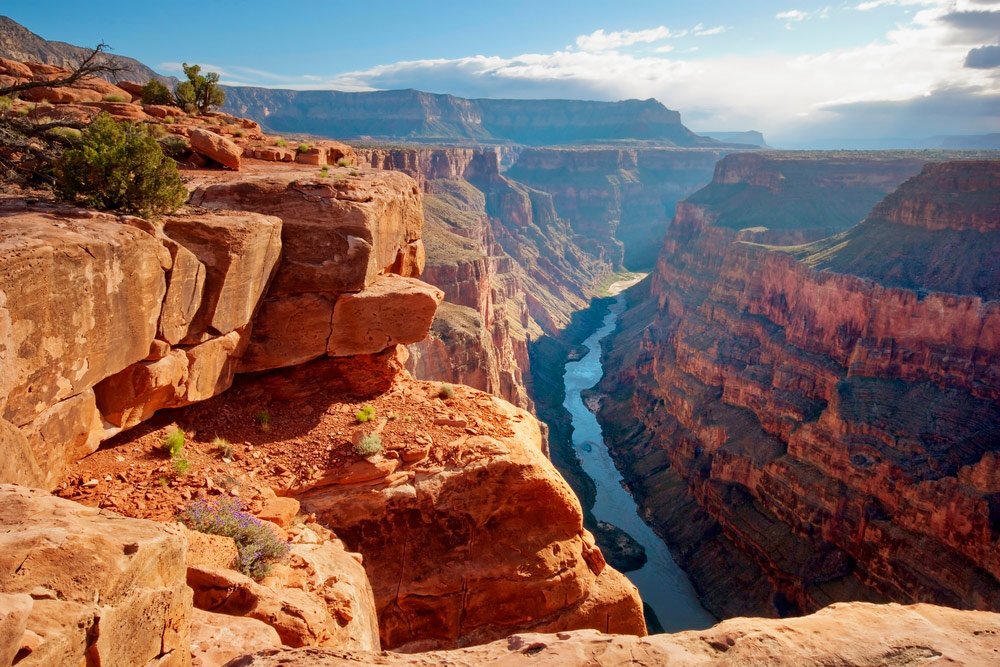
{"points": [[343, 162], [169, 120], [5, 103], [181, 465], [237, 133], [173, 442], [263, 418], [365, 414], [223, 446], [175, 146], [279, 142], [116, 98], [119, 167], [155, 92], [257, 545], [370, 445], [200, 92], [324, 171], [446, 391], [70, 133], [354, 172], [302, 148]]}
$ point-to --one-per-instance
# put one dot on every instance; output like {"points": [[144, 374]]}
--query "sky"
{"points": [[797, 71]]}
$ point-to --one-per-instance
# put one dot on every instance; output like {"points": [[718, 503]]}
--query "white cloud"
{"points": [[606, 41], [786, 96], [791, 15], [705, 32]]}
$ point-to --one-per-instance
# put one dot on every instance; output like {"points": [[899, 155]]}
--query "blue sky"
{"points": [[791, 69]]}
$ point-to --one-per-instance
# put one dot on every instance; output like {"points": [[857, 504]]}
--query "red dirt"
{"points": [[307, 438]]}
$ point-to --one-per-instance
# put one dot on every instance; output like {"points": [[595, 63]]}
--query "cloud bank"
{"points": [[934, 74]]}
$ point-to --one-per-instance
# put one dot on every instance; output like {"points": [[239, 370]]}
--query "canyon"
{"points": [[820, 417], [803, 406]]}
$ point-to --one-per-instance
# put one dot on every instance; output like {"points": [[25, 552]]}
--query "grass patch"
{"points": [[370, 445], [365, 414]]}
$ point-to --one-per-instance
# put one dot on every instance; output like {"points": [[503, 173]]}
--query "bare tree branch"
{"points": [[96, 62]]}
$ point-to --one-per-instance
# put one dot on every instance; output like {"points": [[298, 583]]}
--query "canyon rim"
{"points": [[441, 359]]}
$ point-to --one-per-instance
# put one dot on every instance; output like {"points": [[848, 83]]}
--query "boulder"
{"points": [[163, 110], [239, 252], [106, 588], [392, 310], [218, 638], [300, 619], [216, 147], [337, 236]]}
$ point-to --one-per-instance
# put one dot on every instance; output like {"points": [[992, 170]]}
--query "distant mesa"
{"points": [[750, 137]]}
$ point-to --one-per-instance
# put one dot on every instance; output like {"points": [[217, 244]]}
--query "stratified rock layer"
{"points": [[823, 436]]}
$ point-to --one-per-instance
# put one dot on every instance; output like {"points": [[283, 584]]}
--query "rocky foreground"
{"points": [[842, 634], [820, 418]]}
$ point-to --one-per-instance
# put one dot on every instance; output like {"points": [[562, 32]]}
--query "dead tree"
{"points": [[27, 148]]}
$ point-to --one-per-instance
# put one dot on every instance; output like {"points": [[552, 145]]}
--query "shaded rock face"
{"points": [[853, 633], [472, 547], [620, 200], [98, 588], [812, 434], [106, 319]]}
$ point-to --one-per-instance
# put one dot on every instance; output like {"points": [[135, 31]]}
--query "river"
{"points": [[661, 583]]}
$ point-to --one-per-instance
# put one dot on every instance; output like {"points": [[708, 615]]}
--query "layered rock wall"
{"points": [[827, 436], [620, 200]]}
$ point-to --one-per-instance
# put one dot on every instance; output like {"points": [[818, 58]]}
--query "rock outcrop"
{"points": [[481, 539], [821, 419], [88, 586], [852, 634], [106, 319]]}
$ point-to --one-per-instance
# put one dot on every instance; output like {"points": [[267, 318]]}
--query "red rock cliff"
{"points": [[825, 434]]}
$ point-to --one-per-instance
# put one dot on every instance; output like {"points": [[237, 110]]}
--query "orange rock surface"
{"points": [[851, 634]]}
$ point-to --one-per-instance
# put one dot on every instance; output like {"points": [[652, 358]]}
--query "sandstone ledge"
{"points": [[842, 634]]}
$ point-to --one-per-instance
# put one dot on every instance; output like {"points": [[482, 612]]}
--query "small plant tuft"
{"points": [[181, 465], [173, 442], [343, 162], [237, 133], [446, 391], [224, 447], [302, 148], [365, 414], [5, 103], [324, 172], [257, 545], [263, 418], [369, 445], [354, 172], [279, 142], [115, 98], [169, 120]]}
